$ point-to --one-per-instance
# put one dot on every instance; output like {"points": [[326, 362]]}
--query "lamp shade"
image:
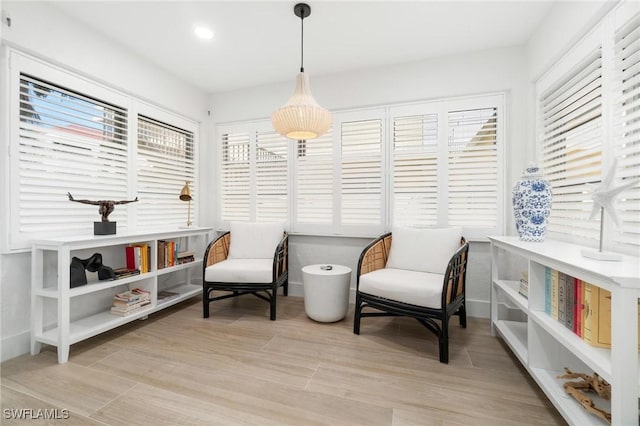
{"points": [[185, 194], [301, 118]]}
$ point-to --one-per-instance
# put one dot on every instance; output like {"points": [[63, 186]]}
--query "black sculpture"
{"points": [[78, 275], [106, 208]]}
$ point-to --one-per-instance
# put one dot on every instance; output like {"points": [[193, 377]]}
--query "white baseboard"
{"points": [[14, 346], [475, 308]]}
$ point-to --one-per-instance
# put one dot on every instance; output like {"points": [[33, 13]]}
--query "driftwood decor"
{"points": [[588, 384]]}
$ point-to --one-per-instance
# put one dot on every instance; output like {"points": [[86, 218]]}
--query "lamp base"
{"points": [[602, 255]]}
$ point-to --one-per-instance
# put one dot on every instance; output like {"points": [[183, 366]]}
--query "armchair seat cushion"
{"points": [[403, 285], [240, 271]]}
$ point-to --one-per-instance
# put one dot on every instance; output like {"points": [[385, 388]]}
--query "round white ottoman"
{"points": [[326, 292]]}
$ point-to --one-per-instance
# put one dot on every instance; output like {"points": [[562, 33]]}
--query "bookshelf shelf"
{"points": [[170, 269], [515, 335], [58, 253], [545, 346]]}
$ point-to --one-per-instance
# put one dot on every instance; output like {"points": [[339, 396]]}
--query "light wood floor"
{"points": [[237, 367]]}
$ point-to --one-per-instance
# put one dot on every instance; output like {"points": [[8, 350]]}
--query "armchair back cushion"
{"points": [[251, 240], [423, 249]]}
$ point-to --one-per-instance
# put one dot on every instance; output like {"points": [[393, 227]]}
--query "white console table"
{"points": [[50, 278], [544, 346]]}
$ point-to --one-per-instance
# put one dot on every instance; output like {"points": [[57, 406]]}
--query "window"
{"points": [[415, 169], [436, 165], [445, 164], [166, 160], [589, 116], [571, 144], [472, 160], [314, 183], [627, 128], [234, 176], [67, 142], [254, 173], [361, 177], [68, 134]]}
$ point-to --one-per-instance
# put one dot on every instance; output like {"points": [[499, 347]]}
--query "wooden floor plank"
{"points": [[238, 367]]}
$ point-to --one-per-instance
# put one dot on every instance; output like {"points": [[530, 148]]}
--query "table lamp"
{"points": [[185, 195]]}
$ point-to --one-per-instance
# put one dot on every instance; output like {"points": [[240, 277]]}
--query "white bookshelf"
{"points": [[52, 258], [545, 346]]}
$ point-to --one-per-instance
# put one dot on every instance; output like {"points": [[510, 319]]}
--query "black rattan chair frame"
{"points": [[435, 320], [264, 291]]}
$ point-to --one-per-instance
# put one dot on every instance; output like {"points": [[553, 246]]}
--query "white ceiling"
{"points": [[258, 43]]}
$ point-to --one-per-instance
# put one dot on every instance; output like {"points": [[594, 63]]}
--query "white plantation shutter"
{"points": [[415, 170], [314, 181], [571, 142], [165, 162], [272, 177], [361, 172], [627, 129], [235, 176], [68, 142], [473, 168]]}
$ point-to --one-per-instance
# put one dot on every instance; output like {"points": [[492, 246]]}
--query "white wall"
{"points": [[501, 70], [565, 24], [41, 30]]}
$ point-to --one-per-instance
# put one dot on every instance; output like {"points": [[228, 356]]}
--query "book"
{"points": [[597, 332], [554, 294], [524, 284], [562, 303], [570, 301], [125, 307], [547, 290], [124, 313], [579, 307], [130, 258], [591, 311], [125, 272]]}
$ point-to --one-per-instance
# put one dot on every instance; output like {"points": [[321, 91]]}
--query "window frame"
{"points": [[601, 35], [495, 100], [16, 63]]}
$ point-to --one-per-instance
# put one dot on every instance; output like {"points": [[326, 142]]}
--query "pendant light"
{"points": [[301, 118]]}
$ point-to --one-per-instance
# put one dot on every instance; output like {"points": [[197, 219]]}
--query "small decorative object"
{"points": [[588, 384], [106, 208], [326, 267], [531, 204], [185, 195], [78, 275], [604, 200]]}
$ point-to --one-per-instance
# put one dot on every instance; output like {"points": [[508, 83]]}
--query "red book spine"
{"points": [[131, 262]]}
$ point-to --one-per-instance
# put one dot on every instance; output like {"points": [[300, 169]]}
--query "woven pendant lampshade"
{"points": [[301, 118]]}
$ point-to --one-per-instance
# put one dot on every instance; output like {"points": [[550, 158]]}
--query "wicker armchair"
{"points": [[430, 298], [239, 276]]}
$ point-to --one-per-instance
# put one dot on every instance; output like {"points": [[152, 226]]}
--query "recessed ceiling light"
{"points": [[203, 32]]}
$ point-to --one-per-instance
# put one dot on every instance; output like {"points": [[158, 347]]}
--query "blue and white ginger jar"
{"points": [[531, 204]]}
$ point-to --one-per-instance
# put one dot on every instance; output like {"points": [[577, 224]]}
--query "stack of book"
{"points": [[524, 284], [137, 257], [185, 257], [167, 253], [125, 272], [580, 306], [130, 302]]}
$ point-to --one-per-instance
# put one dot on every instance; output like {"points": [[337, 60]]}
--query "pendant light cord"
{"points": [[302, 43]]}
